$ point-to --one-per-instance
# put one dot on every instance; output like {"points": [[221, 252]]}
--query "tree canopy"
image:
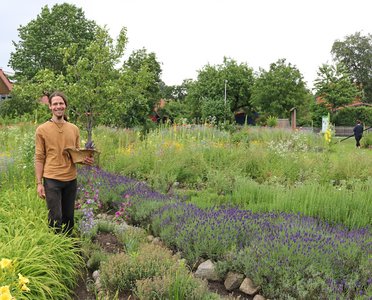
{"points": [[89, 81], [206, 95], [279, 89], [43, 40], [334, 86], [355, 52]]}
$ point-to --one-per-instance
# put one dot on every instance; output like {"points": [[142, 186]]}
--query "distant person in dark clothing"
{"points": [[358, 133]]}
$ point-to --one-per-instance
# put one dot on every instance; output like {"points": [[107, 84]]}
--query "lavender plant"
{"points": [[289, 255]]}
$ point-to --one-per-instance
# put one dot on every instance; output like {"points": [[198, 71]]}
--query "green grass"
{"points": [[257, 169], [51, 262]]}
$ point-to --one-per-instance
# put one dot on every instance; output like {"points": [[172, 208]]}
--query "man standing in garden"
{"points": [[55, 172], [358, 133]]}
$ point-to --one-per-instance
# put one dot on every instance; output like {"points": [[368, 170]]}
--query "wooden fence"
{"points": [[339, 130]]}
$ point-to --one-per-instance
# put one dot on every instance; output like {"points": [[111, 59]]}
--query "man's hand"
{"points": [[41, 191], [89, 160]]}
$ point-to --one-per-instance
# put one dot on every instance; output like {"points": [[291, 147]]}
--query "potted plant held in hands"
{"points": [[78, 155]]}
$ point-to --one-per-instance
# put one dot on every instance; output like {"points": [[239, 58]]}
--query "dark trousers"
{"points": [[358, 138], [60, 199]]}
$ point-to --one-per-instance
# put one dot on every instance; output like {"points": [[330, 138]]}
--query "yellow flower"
{"points": [[328, 135], [5, 293], [6, 296], [4, 289], [178, 146], [24, 288], [22, 280], [5, 263]]}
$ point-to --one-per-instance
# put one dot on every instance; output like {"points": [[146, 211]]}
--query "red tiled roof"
{"points": [[354, 104], [5, 84]]}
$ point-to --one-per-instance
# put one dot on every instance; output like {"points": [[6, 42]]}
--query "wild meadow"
{"points": [[288, 209], [35, 263]]}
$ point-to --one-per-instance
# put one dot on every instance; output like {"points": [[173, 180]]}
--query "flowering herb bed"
{"points": [[289, 255]]}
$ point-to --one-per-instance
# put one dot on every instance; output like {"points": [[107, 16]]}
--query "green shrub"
{"points": [[95, 259], [240, 137], [132, 238], [122, 270], [272, 121], [176, 283], [366, 141], [348, 116]]}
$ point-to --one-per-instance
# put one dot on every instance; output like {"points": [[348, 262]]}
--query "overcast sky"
{"points": [[186, 35]]}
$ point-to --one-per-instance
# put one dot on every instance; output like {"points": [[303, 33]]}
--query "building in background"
{"points": [[5, 85]]}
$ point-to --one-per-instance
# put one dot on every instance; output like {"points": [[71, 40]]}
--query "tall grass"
{"points": [[254, 168], [333, 205], [51, 262]]}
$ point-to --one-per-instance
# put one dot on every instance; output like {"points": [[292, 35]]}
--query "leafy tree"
{"points": [[348, 115], [210, 87], [90, 81], [175, 111], [137, 90], [318, 110], [355, 52], [334, 86], [43, 40], [278, 90], [175, 92], [131, 105], [139, 60], [26, 95], [213, 108]]}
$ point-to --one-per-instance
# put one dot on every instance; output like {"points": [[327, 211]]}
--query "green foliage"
{"points": [[95, 259], [347, 116], [175, 111], [140, 60], [42, 40], [86, 71], [50, 261], [214, 108], [278, 168], [355, 52], [334, 86], [88, 81], [241, 137], [210, 85], [280, 89], [26, 95], [367, 140], [122, 270], [175, 92], [176, 283], [318, 110], [132, 238], [285, 273], [272, 121]]}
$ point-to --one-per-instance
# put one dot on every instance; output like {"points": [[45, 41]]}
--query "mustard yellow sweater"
{"points": [[50, 142]]}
